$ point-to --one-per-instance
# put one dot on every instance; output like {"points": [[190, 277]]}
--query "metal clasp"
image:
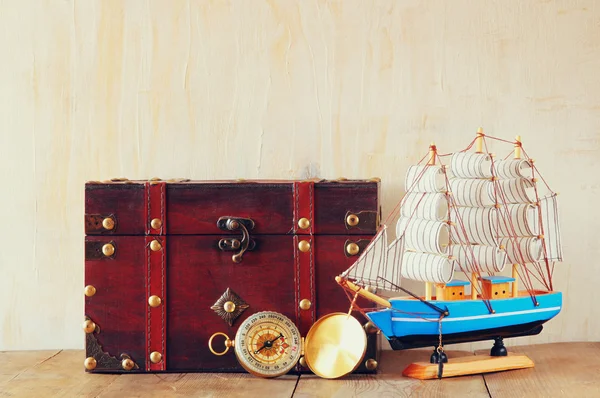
{"points": [[229, 223]]}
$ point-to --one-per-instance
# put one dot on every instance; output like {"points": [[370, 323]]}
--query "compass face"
{"points": [[268, 344]]}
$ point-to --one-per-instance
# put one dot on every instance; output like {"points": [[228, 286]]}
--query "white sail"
{"points": [[428, 206], [474, 225], [519, 220], [522, 250], [472, 192], [425, 178], [427, 267], [487, 258], [513, 168], [423, 235], [516, 190], [391, 273], [552, 242], [372, 260], [471, 165]]}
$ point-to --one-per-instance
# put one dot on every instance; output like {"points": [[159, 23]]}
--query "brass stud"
{"points": [[89, 326], [304, 223], [352, 249], [90, 363], [371, 364], [108, 250], [352, 220], [155, 357], [375, 179], [89, 290], [156, 223], [370, 328], [127, 364], [302, 362], [229, 306], [108, 223], [305, 304], [155, 245], [154, 301], [304, 246]]}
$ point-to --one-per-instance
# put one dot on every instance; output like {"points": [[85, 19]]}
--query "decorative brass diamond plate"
{"points": [[223, 306]]}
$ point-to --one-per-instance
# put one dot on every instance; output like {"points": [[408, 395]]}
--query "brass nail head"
{"points": [[156, 223], [90, 363], [370, 328], [108, 223], [155, 245], [352, 220], [304, 246], [155, 357], [305, 304], [304, 223], [89, 326], [108, 249], [229, 306], [89, 290], [127, 364], [371, 364], [302, 362], [154, 301], [352, 249]]}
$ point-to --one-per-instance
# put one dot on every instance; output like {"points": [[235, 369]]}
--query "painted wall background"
{"points": [[279, 89]]}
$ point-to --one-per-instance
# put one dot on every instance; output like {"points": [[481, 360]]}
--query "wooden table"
{"points": [[562, 370]]}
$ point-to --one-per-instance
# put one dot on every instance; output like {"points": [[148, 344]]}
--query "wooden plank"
{"points": [[14, 362], [61, 375], [200, 385], [561, 369], [390, 382]]}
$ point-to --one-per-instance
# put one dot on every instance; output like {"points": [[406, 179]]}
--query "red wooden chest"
{"points": [[169, 263]]}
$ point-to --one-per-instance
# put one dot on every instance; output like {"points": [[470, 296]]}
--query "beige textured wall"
{"points": [[284, 89]]}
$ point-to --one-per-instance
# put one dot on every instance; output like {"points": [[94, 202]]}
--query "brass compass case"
{"points": [[335, 345], [268, 344]]}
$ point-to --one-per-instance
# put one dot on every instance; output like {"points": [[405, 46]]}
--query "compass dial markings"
{"points": [[280, 339]]}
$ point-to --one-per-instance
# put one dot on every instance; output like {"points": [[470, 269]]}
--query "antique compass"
{"points": [[268, 344]]}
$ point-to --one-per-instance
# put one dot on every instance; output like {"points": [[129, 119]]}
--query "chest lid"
{"points": [[124, 207]]}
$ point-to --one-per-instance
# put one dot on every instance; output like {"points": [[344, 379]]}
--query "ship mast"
{"points": [[515, 267], [478, 149], [431, 162]]}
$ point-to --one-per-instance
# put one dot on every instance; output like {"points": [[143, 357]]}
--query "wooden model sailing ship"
{"points": [[470, 218]]}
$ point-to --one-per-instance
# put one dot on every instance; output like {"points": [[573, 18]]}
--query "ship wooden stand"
{"points": [[468, 366]]}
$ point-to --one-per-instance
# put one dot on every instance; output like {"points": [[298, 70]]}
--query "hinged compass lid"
{"points": [[335, 345]]}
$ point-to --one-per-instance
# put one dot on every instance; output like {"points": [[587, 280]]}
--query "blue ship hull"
{"points": [[411, 324]]}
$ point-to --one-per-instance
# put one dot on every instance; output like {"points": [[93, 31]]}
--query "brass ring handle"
{"points": [[233, 225], [228, 344]]}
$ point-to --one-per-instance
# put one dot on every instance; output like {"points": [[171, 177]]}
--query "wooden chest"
{"points": [[169, 263]]}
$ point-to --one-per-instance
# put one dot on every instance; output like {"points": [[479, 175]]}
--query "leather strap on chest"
{"points": [[155, 268], [304, 259]]}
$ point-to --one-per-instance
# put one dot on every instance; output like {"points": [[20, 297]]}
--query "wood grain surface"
{"points": [[562, 370]]}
